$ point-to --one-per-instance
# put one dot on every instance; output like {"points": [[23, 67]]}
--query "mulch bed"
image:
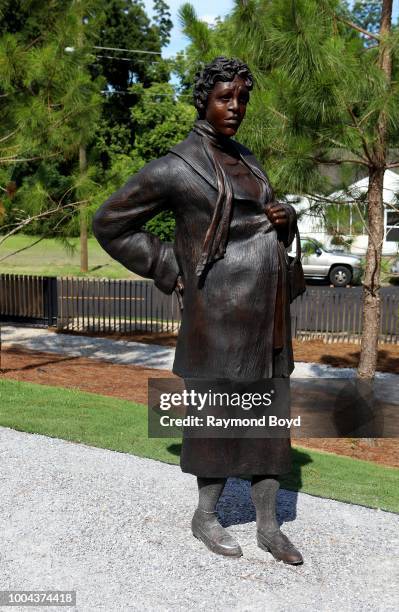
{"points": [[345, 355], [123, 381], [130, 383]]}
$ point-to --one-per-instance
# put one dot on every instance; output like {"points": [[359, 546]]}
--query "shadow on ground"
{"points": [[235, 506], [385, 361]]}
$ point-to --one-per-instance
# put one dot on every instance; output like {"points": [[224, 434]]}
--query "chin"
{"points": [[229, 131]]}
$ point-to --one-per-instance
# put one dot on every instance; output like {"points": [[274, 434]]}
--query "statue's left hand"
{"points": [[277, 214], [179, 290]]}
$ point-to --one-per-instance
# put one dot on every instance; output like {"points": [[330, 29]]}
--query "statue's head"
{"points": [[221, 93]]}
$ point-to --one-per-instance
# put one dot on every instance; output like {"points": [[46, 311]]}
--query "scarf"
{"points": [[215, 242]]}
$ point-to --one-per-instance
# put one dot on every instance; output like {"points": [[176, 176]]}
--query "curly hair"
{"points": [[220, 69]]}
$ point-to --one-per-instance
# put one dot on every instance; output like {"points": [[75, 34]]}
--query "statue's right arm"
{"points": [[118, 223]]}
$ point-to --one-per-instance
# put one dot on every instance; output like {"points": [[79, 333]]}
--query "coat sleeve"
{"points": [[118, 223]]}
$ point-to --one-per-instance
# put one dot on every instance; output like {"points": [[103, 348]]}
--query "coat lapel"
{"points": [[194, 153]]}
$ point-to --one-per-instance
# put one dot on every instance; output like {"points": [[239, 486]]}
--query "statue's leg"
{"points": [[205, 525], [270, 538]]}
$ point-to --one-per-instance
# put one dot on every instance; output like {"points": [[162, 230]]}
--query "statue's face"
{"points": [[226, 106]]}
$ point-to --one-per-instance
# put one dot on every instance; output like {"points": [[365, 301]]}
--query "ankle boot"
{"points": [[280, 547], [270, 538], [206, 527]]}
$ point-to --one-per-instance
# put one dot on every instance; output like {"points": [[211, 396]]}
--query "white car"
{"points": [[338, 267]]}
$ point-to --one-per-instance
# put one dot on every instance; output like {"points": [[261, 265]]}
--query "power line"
{"points": [[128, 50], [153, 94], [127, 59]]}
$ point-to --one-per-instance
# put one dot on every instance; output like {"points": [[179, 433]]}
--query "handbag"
{"points": [[296, 277]]}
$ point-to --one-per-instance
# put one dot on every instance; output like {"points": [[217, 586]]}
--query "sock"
{"points": [[209, 491], [264, 492]]}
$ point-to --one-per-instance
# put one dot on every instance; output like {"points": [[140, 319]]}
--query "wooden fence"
{"points": [[335, 314], [28, 299], [115, 306], [101, 305]]}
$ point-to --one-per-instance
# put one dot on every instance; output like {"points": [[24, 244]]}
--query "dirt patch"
{"points": [[343, 355], [123, 381], [130, 383], [384, 451]]}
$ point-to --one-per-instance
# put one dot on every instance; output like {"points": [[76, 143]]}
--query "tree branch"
{"points": [[357, 128], [13, 160], [366, 116], [33, 42], [29, 246], [317, 199], [393, 207], [354, 26], [341, 161], [9, 135], [394, 164], [22, 249], [46, 213], [276, 112], [340, 145]]}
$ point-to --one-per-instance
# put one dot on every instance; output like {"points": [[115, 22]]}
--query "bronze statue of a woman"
{"points": [[229, 264]]}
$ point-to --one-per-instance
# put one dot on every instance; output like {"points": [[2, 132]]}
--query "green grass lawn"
{"points": [[50, 258], [120, 425]]}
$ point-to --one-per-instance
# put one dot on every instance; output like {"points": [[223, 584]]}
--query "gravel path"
{"points": [[116, 528]]}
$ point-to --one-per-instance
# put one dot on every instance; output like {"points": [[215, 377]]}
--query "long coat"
{"points": [[228, 319], [228, 326]]}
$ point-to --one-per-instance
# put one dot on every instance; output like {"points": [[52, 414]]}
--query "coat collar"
{"points": [[194, 153]]}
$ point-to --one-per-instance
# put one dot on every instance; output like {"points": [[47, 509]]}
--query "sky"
{"points": [[207, 10]]}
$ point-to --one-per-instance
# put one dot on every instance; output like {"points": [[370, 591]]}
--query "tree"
{"points": [[161, 119], [127, 26], [49, 106], [322, 99], [162, 20], [75, 106], [367, 14]]}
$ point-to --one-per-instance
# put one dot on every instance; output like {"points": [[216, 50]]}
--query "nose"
{"points": [[233, 105]]}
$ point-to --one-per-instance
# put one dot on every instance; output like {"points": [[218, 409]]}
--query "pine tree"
{"points": [[49, 102], [162, 20], [73, 129]]}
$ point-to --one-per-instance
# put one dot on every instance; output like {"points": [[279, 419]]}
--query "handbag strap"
{"points": [[298, 246]]}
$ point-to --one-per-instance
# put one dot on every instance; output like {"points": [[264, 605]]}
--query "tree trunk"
{"points": [[84, 252], [371, 288]]}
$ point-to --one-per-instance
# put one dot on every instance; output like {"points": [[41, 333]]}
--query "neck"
{"points": [[206, 130]]}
